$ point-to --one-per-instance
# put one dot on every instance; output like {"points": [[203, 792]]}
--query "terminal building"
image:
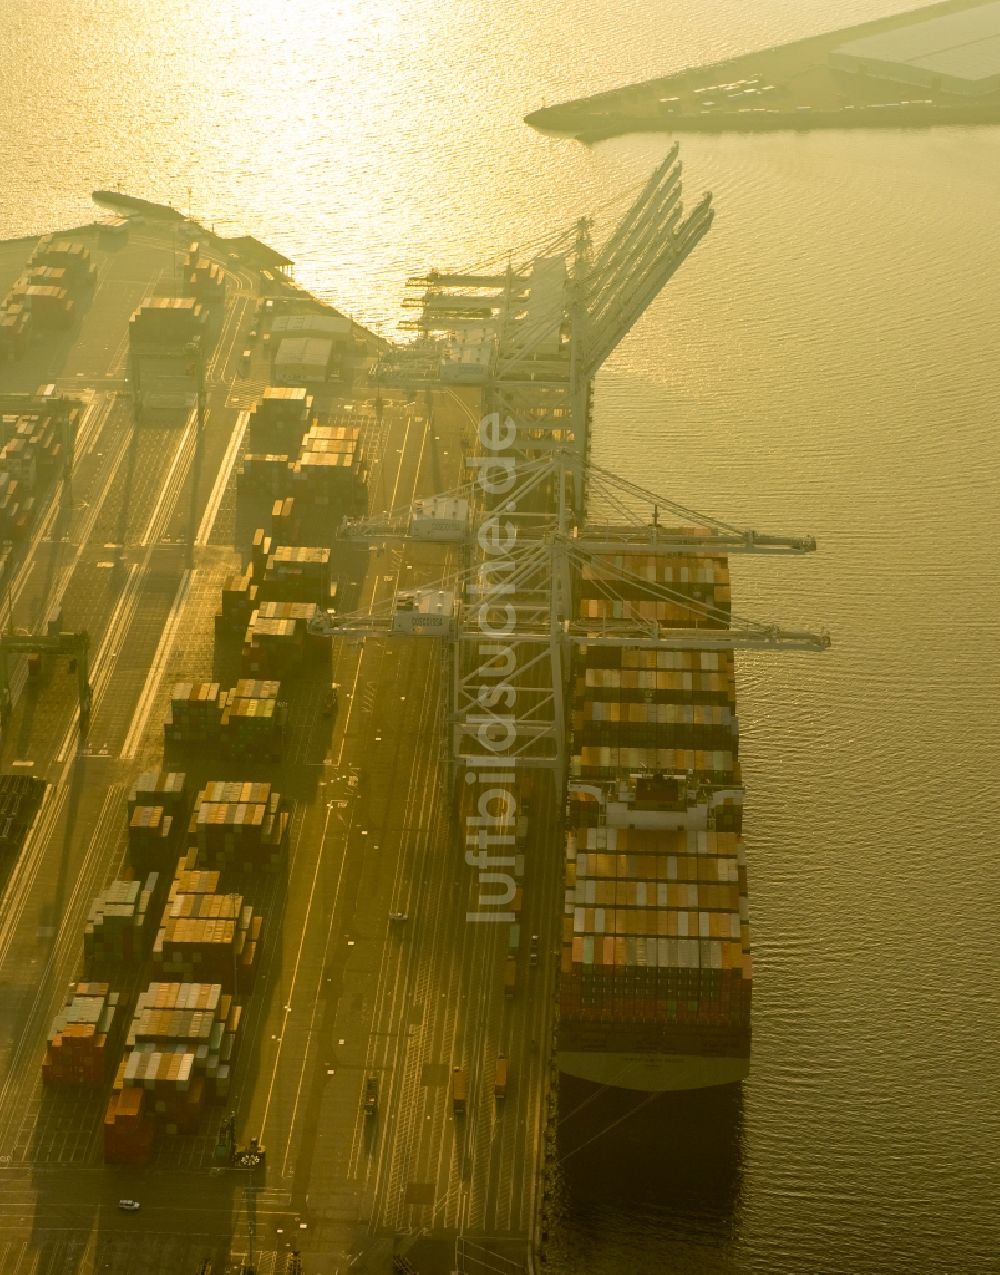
{"points": [[959, 53]]}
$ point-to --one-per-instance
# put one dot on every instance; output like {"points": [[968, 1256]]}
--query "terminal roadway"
{"points": [[344, 993]]}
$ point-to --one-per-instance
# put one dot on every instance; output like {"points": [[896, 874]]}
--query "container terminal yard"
{"points": [[935, 66], [353, 732]]}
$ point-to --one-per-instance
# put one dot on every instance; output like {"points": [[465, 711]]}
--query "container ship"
{"points": [[655, 969]]}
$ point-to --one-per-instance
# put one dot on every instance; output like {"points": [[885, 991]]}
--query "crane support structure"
{"points": [[74, 645], [535, 337], [514, 622], [544, 552]]}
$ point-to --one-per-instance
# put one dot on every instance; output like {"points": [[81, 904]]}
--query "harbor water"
{"points": [[824, 363]]}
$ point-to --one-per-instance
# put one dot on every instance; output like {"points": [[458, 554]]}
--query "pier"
{"points": [[799, 87]]}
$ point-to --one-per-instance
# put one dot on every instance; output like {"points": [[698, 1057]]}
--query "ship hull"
{"points": [[653, 1073]]}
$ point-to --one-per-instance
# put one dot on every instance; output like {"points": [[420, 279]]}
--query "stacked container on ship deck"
{"points": [[664, 710], [658, 918], [655, 970], [84, 1037]]}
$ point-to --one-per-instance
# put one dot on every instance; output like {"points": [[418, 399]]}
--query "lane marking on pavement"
{"points": [[181, 452], [298, 959], [320, 991], [218, 491], [156, 669]]}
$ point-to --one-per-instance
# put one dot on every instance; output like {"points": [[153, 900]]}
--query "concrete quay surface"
{"points": [[342, 992]]}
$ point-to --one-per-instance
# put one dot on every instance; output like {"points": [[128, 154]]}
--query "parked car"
{"points": [[130, 1206]]}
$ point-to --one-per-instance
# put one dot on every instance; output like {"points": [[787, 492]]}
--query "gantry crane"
{"points": [[534, 590], [533, 338], [74, 645]]}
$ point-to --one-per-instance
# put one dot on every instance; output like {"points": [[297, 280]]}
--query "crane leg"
{"points": [[5, 701]]}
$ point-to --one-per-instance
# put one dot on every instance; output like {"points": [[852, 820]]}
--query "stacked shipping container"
{"points": [[203, 279], [279, 420], [296, 573], [129, 1126], [240, 825], [329, 465], [276, 638], [237, 602], [83, 1037], [243, 724], [166, 324], [120, 923], [655, 955], [198, 1018], [253, 720], [264, 473], [208, 936], [656, 941], [157, 804], [45, 295], [194, 714], [36, 444], [178, 1058]]}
